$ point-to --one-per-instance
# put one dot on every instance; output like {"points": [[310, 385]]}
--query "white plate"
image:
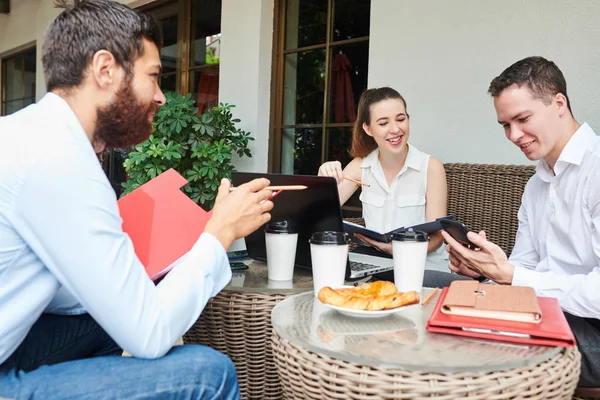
{"points": [[364, 313]]}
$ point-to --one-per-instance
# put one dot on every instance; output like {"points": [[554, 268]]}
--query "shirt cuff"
{"points": [[222, 271], [525, 277]]}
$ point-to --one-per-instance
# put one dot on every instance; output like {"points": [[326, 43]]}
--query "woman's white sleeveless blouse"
{"points": [[386, 208]]}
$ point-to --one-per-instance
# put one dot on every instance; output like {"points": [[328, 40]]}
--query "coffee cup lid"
{"points": [[330, 238], [281, 226], [410, 235]]}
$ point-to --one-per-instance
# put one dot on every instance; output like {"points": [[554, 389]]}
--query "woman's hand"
{"points": [[383, 247], [332, 169]]}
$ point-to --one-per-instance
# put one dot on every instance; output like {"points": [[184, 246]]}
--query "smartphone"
{"points": [[238, 266], [458, 231], [232, 255]]}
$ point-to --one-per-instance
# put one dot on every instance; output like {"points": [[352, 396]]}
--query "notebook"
{"points": [[553, 329], [474, 299]]}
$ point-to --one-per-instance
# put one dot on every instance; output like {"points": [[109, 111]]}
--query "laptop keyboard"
{"points": [[358, 269]]}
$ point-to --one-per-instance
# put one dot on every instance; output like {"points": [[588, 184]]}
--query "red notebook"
{"points": [[162, 221], [553, 330]]}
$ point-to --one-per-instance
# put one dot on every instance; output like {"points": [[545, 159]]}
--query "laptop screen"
{"points": [[314, 209]]}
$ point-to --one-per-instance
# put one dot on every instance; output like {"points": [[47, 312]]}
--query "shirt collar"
{"points": [[412, 159], [572, 153]]}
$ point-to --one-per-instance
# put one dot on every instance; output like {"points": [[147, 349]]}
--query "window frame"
{"points": [[280, 51]]}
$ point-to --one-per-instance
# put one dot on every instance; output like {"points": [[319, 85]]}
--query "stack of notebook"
{"points": [[507, 313]]}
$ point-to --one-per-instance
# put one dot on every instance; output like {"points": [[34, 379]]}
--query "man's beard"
{"points": [[126, 121]]}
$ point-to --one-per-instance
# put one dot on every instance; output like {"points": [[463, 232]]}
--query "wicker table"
{"points": [[237, 322], [321, 354]]}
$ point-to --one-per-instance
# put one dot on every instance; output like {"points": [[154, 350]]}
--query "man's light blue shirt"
{"points": [[62, 248]]}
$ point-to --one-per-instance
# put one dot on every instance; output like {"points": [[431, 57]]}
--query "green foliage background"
{"points": [[198, 147]]}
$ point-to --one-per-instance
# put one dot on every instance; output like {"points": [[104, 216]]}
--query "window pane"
{"points": [[339, 141], [168, 53], [28, 100], [348, 79], [13, 106], [306, 23], [29, 80], [350, 19], [204, 86], [168, 83], [303, 92], [206, 32], [300, 151], [19, 81], [14, 78]]}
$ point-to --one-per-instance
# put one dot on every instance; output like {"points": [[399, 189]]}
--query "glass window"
{"points": [[191, 31], [323, 51], [305, 22], [205, 53], [304, 87], [18, 81], [348, 79]]}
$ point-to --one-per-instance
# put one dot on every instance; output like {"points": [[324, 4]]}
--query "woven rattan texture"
{"points": [[307, 375], [488, 196], [239, 324]]}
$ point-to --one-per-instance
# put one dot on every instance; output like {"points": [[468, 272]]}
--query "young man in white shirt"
{"points": [[73, 294], [557, 248]]}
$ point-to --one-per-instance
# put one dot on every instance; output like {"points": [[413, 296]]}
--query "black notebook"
{"points": [[427, 227]]}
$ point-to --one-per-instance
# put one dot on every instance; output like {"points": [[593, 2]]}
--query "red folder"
{"points": [[162, 221], [553, 330]]}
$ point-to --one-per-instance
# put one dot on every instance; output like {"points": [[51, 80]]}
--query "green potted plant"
{"points": [[199, 147]]}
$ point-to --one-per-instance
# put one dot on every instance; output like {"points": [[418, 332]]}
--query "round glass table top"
{"points": [[398, 341], [255, 279]]}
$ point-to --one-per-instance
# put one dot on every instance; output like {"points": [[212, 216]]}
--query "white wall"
{"points": [[442, 55], [245, 72], [26, 24]]}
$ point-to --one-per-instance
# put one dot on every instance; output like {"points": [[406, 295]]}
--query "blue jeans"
{"points": [[71, 357]]}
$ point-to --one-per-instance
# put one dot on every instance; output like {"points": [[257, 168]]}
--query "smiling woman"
{"points": [[402, 185]]}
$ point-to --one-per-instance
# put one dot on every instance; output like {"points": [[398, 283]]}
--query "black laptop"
{"points": [[314, 209]]}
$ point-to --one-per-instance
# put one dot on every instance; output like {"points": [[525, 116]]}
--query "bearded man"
{"points": [[73, 294]]}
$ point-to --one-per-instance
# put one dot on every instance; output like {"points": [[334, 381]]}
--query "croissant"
{"points": [[378, 288], [379, 295]]}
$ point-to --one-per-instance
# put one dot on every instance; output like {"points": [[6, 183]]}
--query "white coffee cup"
{"points": [[409, 248], [329, 256], [281, 238], [271, 284]]}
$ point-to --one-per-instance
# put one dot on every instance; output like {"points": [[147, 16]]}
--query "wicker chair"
{"points": [[486, 196]]}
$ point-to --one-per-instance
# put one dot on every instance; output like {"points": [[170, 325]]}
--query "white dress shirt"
{"points": [[402, 204], [557, 249], [61, 243]]}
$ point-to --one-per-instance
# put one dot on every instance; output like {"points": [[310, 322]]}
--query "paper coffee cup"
{"points": [[281, 238], [329, 256], [409, 248]]}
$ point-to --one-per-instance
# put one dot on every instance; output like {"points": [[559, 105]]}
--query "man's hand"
{"points": [[240, 212], [383, 247], [489, 261]]}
